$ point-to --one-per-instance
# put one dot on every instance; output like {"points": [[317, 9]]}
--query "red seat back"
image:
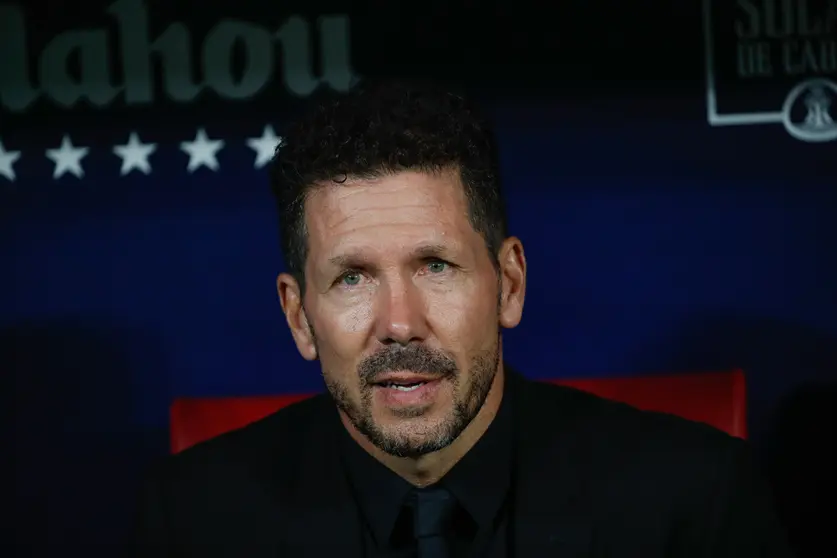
{"points": [[716, 398]]}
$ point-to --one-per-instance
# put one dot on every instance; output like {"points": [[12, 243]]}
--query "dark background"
{"points": [[656, 242]]}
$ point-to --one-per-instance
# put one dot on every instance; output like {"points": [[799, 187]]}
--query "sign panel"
{"points": [[125, 63], [772, 62], [120, 89]]}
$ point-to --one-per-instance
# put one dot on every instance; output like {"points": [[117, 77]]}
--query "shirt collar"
{"points": [[380, 493]]}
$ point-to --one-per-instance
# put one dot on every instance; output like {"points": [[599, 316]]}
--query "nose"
{"points": [[401, 315]]}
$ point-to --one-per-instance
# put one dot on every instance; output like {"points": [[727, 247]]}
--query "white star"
{"points": [[67, 158], [7, 159], [135, 154], [265, 146], [202, 152]]}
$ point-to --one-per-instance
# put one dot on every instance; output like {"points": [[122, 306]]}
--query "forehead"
{"points": [[398, 209]]}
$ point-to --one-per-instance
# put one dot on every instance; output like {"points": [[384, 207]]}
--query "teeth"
{"points": [[406, 388]]}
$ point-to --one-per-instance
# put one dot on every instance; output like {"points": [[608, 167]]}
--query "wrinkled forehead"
{"points": [[390, 201], [404, 212]]}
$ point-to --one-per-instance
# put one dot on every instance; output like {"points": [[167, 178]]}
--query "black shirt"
{"points": [[480, 482]]}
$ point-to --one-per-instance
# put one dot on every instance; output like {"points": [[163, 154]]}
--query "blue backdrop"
{"points": [[655, 243]]}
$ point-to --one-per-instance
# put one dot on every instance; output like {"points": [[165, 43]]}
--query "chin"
{"points": [[413, 448], [413, 437]]}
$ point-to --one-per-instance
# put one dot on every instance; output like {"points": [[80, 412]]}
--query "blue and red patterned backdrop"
{"points": [[140, 245]]}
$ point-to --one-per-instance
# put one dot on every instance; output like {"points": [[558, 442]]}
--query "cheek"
{"points": [[463, 320], [353, 318], [342, 332]]}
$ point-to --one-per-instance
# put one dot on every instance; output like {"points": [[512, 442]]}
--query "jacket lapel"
{"points": [[551, 513], [320, 518]]}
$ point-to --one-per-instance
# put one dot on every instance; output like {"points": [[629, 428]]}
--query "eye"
{"points": [[350, 278], [437, 266]]}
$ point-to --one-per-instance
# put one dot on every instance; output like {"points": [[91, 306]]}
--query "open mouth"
{"points": [[403, 387], [408, 390]]}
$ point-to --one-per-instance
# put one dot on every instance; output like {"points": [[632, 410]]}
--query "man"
{"points": [[400, 278]]}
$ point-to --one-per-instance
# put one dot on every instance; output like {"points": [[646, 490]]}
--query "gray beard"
{"points": [[483, 370]]}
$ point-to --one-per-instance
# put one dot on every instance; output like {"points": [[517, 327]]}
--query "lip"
{"points": [[403, 378], [423, 395]]}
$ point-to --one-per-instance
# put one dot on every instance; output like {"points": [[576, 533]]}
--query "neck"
{"points": [[430, 468]]}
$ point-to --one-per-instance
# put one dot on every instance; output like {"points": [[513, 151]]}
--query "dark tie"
{"points": [[432, 510]]}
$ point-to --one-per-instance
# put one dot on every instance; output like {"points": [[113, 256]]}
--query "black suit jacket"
{"points": [[592, 478]]}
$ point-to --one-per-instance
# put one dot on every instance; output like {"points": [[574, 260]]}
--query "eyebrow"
{"points": [[425, 251]]}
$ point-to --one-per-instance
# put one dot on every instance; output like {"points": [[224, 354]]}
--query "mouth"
{"points": [[404, 381], [402, 387], [408, 390]]}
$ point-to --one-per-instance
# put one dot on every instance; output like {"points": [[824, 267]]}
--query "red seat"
{"points": [[715, 398]]}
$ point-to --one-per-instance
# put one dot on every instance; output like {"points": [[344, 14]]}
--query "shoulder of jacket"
{"points": [[616, 423], [248, 446]]}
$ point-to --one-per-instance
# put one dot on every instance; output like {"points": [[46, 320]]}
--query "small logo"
{"points": [[814, 100], [772, 62]]}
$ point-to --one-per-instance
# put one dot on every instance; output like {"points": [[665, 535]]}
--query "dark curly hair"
{"points": [[380, 129]]}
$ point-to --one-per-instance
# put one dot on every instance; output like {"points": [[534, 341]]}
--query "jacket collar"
{"points": [[550, 512], [319, 516]]}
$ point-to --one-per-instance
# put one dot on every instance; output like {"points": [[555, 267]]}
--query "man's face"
{"points": [[402, 307]]}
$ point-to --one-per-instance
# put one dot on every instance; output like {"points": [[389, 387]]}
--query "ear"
{"points": [[290, 296], [512, 261]]}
